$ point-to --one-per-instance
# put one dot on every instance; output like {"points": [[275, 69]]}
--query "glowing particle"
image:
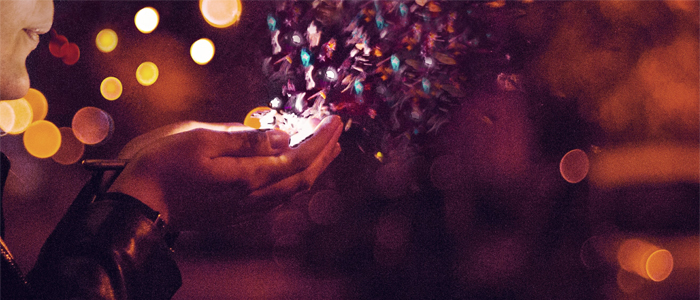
{"points": [[426, 85], [23, 115], [42, 139], [574, 166], [271, 23], [331, 74], [221, 13], [380, 22], [106, 40], [395, 63], [379, 156], [202, 51], [429, 62], [296, 39], [146, 19], [92, 125], [71, 150], [358, 86], [147, 73], [111, 88], [305, 57], [403, 9], [40, 107], [276, 103]]}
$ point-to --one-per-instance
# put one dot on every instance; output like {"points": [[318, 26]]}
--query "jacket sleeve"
{"points": [[109, 249]]}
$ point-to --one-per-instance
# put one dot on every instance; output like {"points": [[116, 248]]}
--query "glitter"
{"points": [[271, 23], [380, 22], [358, 87], [394, 63], [426, 85], [305, 58], [403, 9]]}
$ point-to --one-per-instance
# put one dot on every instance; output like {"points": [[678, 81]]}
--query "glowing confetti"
{"points": [[305, 57]]}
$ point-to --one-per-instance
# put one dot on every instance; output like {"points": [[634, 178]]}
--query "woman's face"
{"points": [[21, 22]]}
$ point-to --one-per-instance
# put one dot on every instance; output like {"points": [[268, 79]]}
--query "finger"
{"points": [[297, 182], [264, 170], [140, 142], [248, 143]]}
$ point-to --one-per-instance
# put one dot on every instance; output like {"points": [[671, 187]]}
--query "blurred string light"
{"points": [[645, 259], [18, 114], [202, 51], [220, 13], [106, 40], [71, 150], [92, 125], [146, 19], [147, 73], [111, 88], [42, 139]]}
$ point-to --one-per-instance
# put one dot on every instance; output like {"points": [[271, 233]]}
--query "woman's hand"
{"points": [[201, 175]]}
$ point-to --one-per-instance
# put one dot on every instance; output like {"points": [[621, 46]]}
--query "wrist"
{"points": [[146, 193]]}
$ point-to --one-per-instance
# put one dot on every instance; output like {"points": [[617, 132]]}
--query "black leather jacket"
{"points": [[112, 248]]}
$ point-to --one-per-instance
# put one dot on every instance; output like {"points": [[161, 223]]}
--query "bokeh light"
{"points": [[326, 207], [111, 88], [251, 119], [71, 53], [645, 259], [146, 19], [40, 107], [220, 13], [92, 125], [106, 40], [147, 73], [71, 150], [574, 166], [202, 51], [23, 115], [7, 117], [42, 139]]}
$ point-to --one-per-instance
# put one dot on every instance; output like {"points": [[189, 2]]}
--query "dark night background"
{"points": [[480, 212]]}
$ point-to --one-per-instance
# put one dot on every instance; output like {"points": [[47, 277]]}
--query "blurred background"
{"points": [[580, 184]]}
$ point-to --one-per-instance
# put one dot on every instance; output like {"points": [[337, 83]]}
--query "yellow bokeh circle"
{"points": [[106, 40], [202, 51], [40, 107], [7, 117], [42, 139], [146, 19], [111, 88], [220, 13], [147, 73], [22, 111]]}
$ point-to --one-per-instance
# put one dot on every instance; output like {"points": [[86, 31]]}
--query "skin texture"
{"points": [[197, 175], [21, 23]]}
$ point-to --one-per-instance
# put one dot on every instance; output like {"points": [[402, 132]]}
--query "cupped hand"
{"points": [[202, 176]]}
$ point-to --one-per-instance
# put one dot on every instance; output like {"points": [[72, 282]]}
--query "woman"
{"points": [[118, 246]]}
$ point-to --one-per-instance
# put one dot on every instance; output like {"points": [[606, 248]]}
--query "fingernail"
{"points": [[278, 139]]}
